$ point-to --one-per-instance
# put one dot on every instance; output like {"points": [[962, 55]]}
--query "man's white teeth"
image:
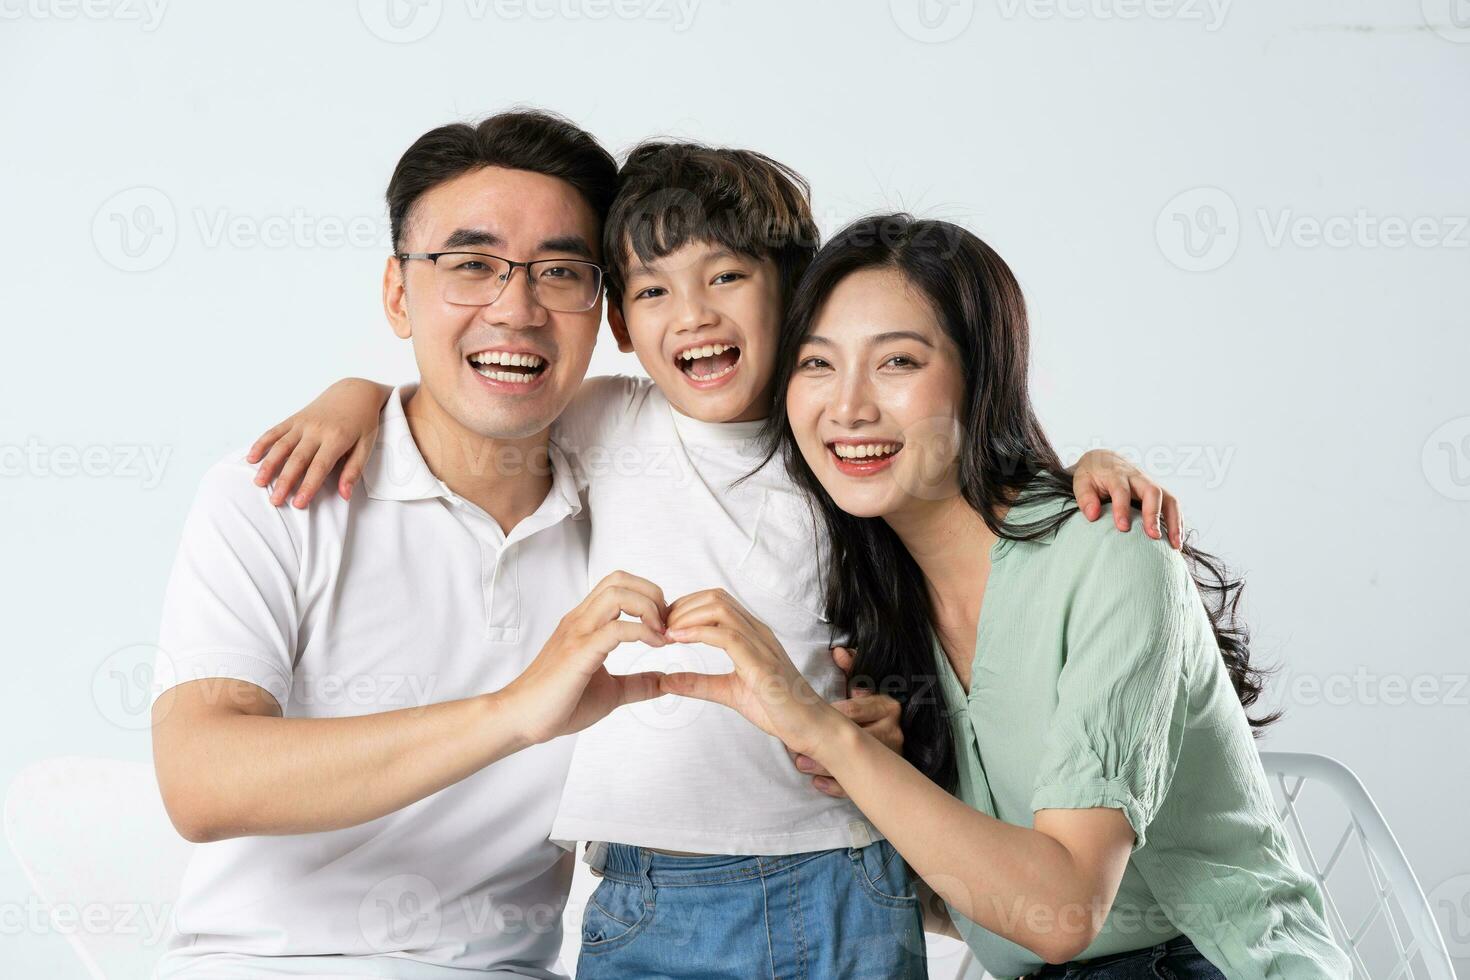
{"points": [[708, 350], [511, 376], [501, 357], [847, 451]]}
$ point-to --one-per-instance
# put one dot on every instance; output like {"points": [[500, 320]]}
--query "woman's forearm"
{"points": [[1017, 882]]}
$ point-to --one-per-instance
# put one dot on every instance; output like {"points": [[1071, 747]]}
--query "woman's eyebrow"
{"points": [[892, 335], [880, 338]]}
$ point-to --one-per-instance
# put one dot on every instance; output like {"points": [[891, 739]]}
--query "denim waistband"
{"points": [[1178, 944], [624, 862]]}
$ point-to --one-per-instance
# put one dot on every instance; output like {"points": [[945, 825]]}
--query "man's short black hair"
{"points": [[533, 140]]}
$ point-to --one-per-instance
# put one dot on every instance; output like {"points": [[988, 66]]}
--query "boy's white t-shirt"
{"points": [[677, 773]]}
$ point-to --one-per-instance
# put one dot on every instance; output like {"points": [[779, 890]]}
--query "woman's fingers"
{"points": [[638, 687], [716, 636], [718, 688], [844, 658]]}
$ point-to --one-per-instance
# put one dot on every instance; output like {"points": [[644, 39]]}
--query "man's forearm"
{"points": [[242, 774]]}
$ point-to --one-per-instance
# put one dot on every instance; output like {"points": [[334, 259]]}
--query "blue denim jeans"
{"points": [[849, 913], [1176, 959]]}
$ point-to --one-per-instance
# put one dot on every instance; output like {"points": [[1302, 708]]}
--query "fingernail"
{"points": [[804, 764]]}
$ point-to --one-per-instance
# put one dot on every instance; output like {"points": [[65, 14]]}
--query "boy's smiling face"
{"points": [[703, 321]]}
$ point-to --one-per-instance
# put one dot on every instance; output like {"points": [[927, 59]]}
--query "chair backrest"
{"points": [[94, 840], [1375, 908]]}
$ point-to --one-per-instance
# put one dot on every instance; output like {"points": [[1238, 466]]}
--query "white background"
{"points": [[1306, 398]]}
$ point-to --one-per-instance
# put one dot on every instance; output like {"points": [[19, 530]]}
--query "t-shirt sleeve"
{"points": [[587, 431], [230, 609], [1122, 695]]}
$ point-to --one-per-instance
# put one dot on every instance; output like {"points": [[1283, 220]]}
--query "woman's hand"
{"points": [[765, 686], [877, 714], [1102, 474], [343, 421]]}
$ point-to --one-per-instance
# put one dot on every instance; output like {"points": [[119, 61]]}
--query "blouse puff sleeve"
{"points": [[1122, 694]]}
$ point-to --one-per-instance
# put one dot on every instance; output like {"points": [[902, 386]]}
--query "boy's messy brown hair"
{"points": [[670, 194]]}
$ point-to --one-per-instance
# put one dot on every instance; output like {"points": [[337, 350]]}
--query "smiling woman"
{"points": [[1071, 687]]}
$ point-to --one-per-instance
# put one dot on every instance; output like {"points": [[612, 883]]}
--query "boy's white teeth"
{"points": [[710, 377], [501, 357], [848, 451], [708, 350]]}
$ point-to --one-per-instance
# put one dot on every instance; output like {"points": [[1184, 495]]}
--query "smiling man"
{"points": [[359, 703]]}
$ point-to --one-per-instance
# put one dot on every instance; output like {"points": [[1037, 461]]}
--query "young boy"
{"points": [[718, 857]]}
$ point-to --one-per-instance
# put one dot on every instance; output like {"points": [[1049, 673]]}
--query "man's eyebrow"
{"points": [[462, 237], [575, 244]]}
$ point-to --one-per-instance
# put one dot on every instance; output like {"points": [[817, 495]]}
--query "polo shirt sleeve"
{"points": [[1122, 694], [230, 610]]}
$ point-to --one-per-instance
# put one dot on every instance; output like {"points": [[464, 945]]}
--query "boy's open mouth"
{"points": [[708, 362], [508, 367]]}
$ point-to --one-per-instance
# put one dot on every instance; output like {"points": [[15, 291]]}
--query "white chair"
{"points": [[1375, 908], [92, 837]]}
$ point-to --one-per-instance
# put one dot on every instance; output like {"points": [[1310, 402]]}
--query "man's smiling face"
{"points": [[505, 370]]}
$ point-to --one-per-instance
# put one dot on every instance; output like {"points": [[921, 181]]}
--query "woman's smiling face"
{"points": [[875, 399]]}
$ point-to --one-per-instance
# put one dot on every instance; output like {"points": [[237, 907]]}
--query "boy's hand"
{"points": [[876, 714], [1104, 475], [343, 421]]}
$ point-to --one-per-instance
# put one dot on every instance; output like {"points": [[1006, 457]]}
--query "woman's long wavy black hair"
{"points": [[875, 591]]}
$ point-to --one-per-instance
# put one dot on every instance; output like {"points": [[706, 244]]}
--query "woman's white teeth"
{"points": [[847, 451], [708, 350], [501, 357]]}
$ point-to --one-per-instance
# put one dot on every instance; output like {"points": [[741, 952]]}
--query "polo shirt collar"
{"points": [[397, 470]]}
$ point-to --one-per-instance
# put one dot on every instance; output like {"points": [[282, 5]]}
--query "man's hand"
{"points": [[876, 714], [567, 687]]}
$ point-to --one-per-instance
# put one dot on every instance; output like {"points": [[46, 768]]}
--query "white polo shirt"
{"points": [[407, 595]]}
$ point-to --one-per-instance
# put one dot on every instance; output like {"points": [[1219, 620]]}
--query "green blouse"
{"points": [[1097, 683]]}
